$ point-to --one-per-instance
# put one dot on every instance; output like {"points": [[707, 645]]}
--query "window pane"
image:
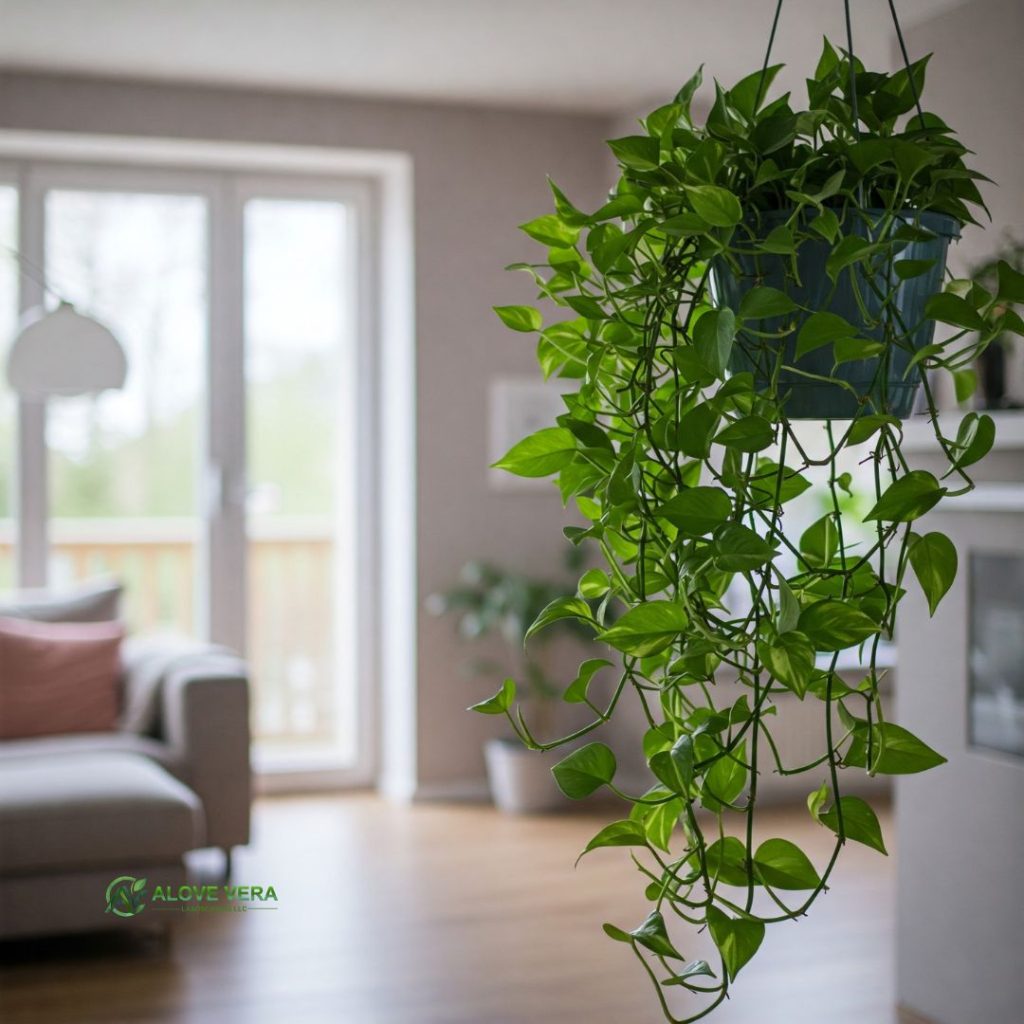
{"points": [[297, 355], [8, 406], [123, 465]]}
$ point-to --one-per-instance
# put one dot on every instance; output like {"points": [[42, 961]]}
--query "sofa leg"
{"points": [[227, 862]]}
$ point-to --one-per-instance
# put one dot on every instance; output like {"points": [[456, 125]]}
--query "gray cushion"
{"points": [[95, 601], [92, 810], [91, 743]]}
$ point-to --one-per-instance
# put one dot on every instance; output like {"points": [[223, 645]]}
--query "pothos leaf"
{"points": [[618, 833], [648, 628], [653, 935], [737, 938], [500, 702], [934, 561], [585, 770]]}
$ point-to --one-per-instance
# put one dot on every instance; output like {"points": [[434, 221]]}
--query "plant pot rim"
{"points": [[508, 743], [943, 224]]}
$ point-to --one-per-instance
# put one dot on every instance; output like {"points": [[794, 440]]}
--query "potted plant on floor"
{"points": [[492, 601], [771, 265], [993, 362]]}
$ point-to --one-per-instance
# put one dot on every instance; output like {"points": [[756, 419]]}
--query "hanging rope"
{"points": [[906, 62], [853, 76], [768, 54]]}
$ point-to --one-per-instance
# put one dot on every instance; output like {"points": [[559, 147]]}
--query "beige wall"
{"points": [[477, 174], [975, 84]]}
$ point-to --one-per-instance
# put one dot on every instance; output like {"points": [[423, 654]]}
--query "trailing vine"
{"points": [[745, 275]]}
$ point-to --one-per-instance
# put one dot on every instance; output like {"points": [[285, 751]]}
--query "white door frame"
{"points": [[222, 172]]}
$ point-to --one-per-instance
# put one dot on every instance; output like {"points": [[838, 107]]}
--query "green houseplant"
{"points": [[771, 265], [992, 362], [489, 600]]}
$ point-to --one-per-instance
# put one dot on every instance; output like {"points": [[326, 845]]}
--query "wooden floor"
{"points": [[448, 915]]}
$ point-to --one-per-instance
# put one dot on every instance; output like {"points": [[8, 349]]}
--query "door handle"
{"points": [[222, 492]]}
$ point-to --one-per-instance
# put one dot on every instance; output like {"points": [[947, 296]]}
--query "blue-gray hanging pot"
{"points": [[879, 384]]}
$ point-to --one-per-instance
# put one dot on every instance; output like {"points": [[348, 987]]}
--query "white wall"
{"points": [[959, 827], [477, 174]]}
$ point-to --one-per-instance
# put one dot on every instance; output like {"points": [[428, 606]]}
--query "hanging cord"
{"points": [[768, 55], [35, 273], [853, 76], [906, 63]]}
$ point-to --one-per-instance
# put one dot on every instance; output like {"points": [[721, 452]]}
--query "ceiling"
{"points": [[584, 55]]}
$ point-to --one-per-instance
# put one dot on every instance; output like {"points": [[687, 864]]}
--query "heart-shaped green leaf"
{"points": [[740, 549], [783, 865], [790, 659], [859, 822], [737, 939], [748, 434], [907, 498], [576, 691], [653, 935], [697, 511], [541, 454], [763, 302], [954, 310], [834, 625], [585, 770], [618, 833], [520, 318], [647, 628], [718, 206], [934, 561], [499, 703], [561, 608], [551, 230], [822, 328]]}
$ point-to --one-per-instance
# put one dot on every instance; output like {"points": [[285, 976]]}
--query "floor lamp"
{"points": [[54, 353]]}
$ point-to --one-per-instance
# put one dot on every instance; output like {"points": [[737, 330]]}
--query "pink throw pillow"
{"points": [[59, 677]]}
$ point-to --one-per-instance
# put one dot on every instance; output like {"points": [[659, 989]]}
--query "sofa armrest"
{"points": [[205, 722], [146, 662]]}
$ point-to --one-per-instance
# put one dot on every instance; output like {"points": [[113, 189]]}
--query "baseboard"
{"points": [[457, 791]]}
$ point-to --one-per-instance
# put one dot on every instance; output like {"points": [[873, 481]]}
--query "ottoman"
{"points": [[70, 826]]}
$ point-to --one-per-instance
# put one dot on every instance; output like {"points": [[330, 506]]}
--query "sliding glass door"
{"points": [[221, 483], [299, 261]]}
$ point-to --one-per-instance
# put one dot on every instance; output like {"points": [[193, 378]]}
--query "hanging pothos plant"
{"points": [[768, 266]]}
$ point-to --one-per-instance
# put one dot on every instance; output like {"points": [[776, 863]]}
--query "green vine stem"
{"points": [[768, 267]]}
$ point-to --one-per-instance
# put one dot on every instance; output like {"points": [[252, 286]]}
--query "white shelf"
{"points": [[987, 498], [919, 436]]}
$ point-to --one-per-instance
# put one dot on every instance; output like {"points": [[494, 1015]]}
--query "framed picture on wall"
{"points": [[519, 406], [996, 660]]}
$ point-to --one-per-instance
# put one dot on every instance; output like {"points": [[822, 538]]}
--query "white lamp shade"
{"points": [[64, 353]]}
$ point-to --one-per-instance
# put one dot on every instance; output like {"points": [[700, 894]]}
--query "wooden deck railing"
{"points": [[290, 601]]}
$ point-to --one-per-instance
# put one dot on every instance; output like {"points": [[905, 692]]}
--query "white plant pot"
{"points": [[520, 779]]}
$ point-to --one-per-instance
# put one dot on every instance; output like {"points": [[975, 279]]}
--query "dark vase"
{"points": [[873, 391], [992, 364]]}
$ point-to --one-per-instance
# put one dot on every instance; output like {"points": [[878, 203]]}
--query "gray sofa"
{"points": [[78, 810]]}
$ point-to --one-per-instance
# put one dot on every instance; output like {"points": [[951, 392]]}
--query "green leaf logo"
{"points": [[126, 896]]}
